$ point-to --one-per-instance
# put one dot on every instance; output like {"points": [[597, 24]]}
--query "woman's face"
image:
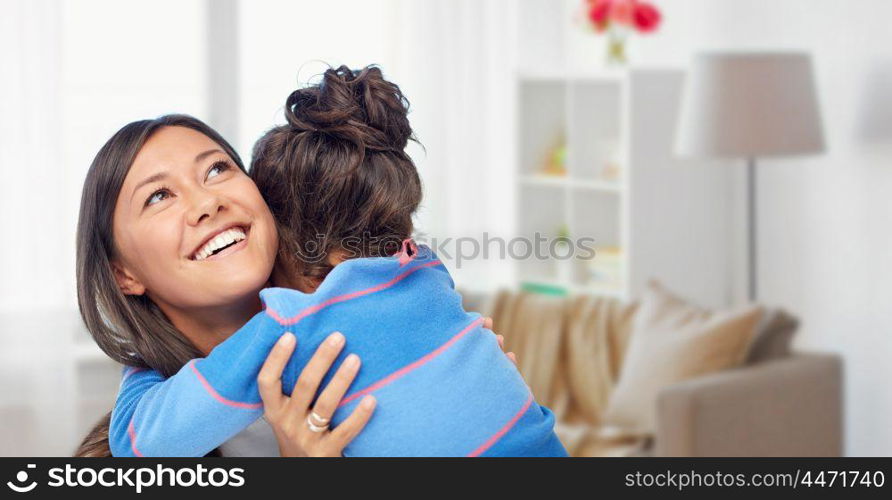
{"points": [[191, 229]]}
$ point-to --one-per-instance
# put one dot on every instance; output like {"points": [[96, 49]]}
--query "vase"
{"points": [[616, 47]]}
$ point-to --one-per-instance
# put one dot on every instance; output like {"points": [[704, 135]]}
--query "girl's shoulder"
{"points": [[418, 272]]}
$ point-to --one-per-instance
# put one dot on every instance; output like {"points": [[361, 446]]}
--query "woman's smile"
{"points": [[219, 244]]}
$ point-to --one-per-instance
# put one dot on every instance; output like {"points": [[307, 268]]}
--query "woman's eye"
{"points": [[217, 169], [157, 196]]}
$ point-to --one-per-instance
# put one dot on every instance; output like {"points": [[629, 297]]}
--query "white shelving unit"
{"points": [[595, 161], [570, 142], [654, 216]]}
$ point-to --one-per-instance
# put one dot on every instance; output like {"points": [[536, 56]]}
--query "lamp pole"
{"points": [[752, 222]]}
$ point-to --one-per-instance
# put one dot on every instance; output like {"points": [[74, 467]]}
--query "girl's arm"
{"points": [[200, 407], [158, 417], [211, 399]]}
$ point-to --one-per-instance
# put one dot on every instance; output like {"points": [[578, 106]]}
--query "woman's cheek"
{"points": [[265, 217], [166, 236]]}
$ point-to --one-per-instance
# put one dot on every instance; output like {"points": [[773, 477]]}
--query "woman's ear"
{"points": [[128, 283]]}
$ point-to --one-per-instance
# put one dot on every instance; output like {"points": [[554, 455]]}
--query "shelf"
{"points": [[596, 185], [587, 184], [555, 287], [544, 180]]}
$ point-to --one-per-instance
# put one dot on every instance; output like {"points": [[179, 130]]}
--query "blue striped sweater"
{"points": [[443, 385]]}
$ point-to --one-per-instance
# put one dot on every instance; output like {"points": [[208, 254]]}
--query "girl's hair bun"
{"points": [[358, 106], [337, 177]]}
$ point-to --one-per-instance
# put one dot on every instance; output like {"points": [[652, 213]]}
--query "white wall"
{"points": [[285, 44], [826, 222]]}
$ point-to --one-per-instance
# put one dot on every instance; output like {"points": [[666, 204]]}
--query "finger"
{"points": [[512, 357], [341, 436], [269, 380], [487, 323], [313, 373], [501, 340], [333, 393]]}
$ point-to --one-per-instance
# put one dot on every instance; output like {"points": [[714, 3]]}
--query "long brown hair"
{"points": [[130, 329], [337, 176]]}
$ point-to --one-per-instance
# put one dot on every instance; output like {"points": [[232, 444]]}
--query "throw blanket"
{"points": [[570, 351]]}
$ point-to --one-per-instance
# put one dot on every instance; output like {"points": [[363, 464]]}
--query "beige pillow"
{"points": [[672, 341], [773, 337]]}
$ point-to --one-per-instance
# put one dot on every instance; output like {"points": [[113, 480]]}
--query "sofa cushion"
{"points": [[773, 338], [672, 341]]}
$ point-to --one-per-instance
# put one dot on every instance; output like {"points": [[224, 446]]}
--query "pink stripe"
{"points": [[491, 441], [408, 245], [342, 298], [217, 396], [132, 432], [408, 368], [130, 371]]}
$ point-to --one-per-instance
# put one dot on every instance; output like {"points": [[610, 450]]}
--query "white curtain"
{"points": [[37, 253], [457, 61]]}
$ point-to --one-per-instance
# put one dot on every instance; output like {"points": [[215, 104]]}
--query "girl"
{"points": [[448, 389]]}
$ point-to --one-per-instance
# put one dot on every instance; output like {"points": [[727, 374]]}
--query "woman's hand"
{"points": [[487, 323], [290, 417]]}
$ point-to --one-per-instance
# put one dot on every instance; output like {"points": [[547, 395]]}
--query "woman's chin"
{"points": [[230, 280]]}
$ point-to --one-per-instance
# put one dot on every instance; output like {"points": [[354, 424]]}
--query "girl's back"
{"points": [[443, 385]]}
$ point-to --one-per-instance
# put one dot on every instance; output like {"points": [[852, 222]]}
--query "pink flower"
{"points": [[622, 11], [647, 17], [641, 15], [599, 13]]}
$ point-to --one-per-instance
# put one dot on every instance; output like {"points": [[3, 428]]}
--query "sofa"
{"points": [[791, 406], [774, 402]]}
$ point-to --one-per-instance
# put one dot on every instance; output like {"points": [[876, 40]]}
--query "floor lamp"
{"points": [[749, 105]]}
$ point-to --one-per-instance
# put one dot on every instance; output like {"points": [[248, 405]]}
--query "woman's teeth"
{"points": [[220, 241]]}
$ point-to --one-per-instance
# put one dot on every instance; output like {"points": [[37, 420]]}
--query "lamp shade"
{"points": [[749, 105]]}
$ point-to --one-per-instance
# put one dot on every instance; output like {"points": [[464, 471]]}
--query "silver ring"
{"points": [[318, 419], [315, 428]]}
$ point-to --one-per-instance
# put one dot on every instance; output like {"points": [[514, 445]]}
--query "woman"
{"points": [[153, 195]]}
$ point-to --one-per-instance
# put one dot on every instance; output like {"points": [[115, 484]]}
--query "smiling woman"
{"points": [[128, 254], [181, 202]]}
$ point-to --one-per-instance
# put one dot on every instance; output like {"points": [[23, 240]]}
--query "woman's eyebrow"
{"points": [[207, 153], [148, 180]]}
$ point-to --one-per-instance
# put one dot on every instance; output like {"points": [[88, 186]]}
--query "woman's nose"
{"points": [[205, 206]]}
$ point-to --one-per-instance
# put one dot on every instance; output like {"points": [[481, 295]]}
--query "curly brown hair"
{"points": [[336, 176]]}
